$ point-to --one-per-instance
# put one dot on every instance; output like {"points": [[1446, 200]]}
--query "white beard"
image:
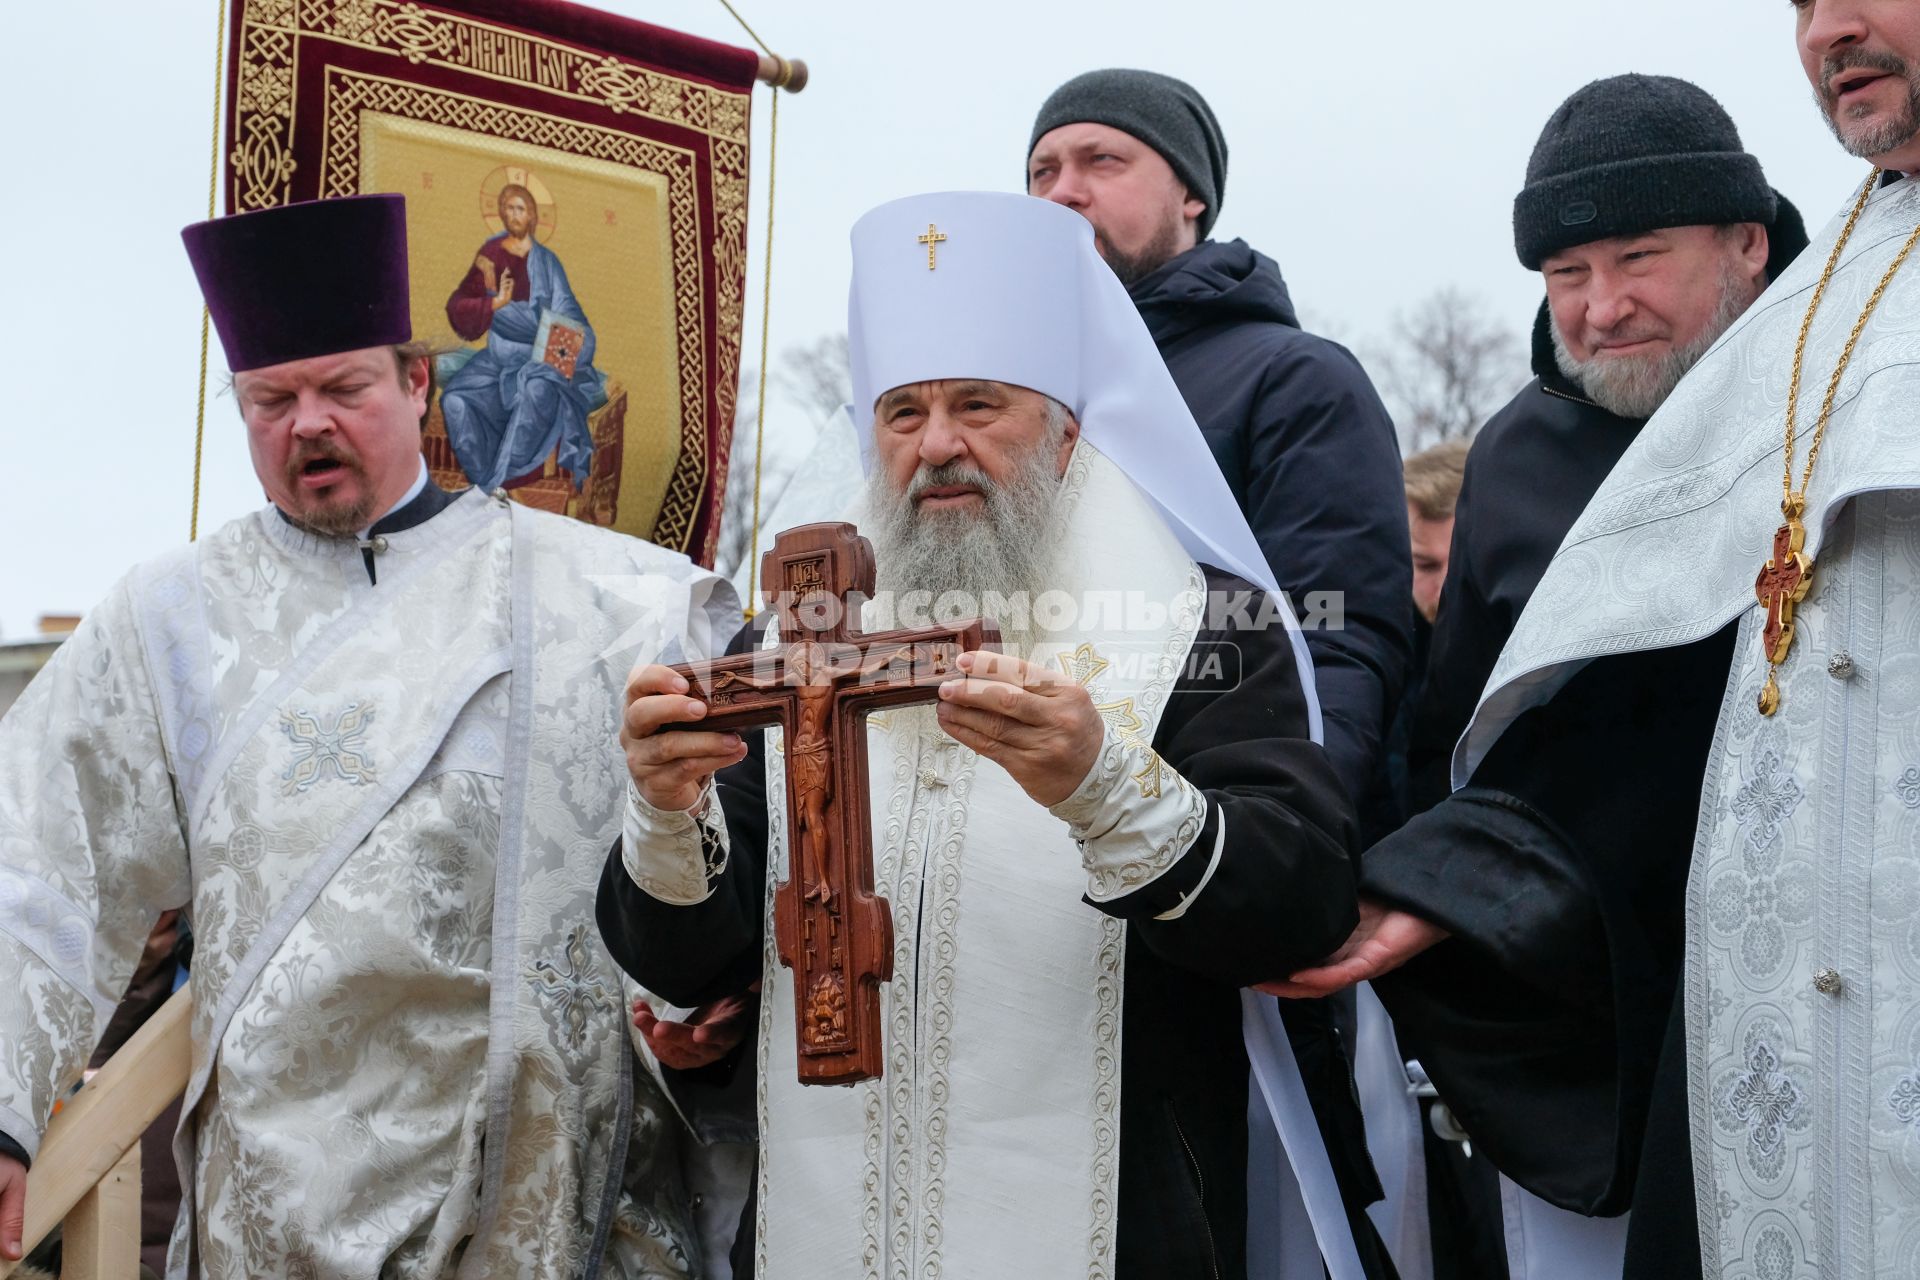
{"points": [[952, 565], [1636, 386]]}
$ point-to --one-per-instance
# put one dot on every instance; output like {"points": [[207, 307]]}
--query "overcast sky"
{"points": [[1375, 152]]}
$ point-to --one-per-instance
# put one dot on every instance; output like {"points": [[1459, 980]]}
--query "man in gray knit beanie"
{"points": [[1145, 158], [1653, 231], [1302, 439]]}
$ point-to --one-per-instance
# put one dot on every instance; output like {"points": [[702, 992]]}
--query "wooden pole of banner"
{"points": [[782, 73]]}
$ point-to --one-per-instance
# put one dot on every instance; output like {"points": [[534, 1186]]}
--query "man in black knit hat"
{"points": [[1652, 231], [1558, 1048], [1292, 419]]}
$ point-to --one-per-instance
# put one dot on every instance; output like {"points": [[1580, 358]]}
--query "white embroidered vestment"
{"points": [[386, 808], [1802, 979]]}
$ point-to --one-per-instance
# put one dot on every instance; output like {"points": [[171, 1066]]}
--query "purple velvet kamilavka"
{"points": [[309, 279]]}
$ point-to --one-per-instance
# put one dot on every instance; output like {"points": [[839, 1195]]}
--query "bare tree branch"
{"points": [[817, 375], [1449, 367]]}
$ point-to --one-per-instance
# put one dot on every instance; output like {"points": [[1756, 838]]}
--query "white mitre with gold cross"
{"points": [[1009, 288]]}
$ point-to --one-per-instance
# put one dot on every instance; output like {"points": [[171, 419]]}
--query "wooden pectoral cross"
{"points": [[818, 687]]}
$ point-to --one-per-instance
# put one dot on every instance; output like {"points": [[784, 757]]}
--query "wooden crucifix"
{"points": [[818, 687]]}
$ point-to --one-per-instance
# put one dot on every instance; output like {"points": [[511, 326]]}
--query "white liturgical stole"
{"points": [[1803, 959]]}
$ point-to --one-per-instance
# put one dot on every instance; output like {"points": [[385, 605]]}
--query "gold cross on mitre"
{"points": [[932, 240]]}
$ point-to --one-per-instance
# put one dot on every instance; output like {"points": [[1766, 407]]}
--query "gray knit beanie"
{"points": [[1632, 154], [1168, 115]]}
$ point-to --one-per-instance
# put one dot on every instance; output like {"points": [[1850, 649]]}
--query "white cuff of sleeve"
{"points": [[674, 856], [1133, 816], [1206, 877]]}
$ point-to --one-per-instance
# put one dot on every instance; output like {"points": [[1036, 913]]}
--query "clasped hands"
{"points": [[708, 1034], [1032, 721]]}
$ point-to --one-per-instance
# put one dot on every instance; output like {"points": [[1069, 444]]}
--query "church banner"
{"points": [[576, 191]]}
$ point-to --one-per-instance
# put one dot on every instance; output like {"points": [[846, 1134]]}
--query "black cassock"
{"points": [[1282, 897], [1550, 1022]]}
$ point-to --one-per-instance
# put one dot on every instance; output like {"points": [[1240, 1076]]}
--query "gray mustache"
{"points": [[1835, 65], [950, 473]]}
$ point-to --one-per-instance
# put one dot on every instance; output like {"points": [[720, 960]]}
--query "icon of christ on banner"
{"points": [[528, 392], [628, 146]]}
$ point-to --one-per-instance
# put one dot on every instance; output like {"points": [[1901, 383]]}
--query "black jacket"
{"points": [[1529, 475], [1549, 1020], [1311, 456]]}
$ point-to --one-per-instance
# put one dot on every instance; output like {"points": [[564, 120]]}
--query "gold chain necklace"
{"points": [[1785, 578]]}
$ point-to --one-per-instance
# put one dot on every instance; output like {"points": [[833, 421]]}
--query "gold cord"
{"points": [[1800, 346], [1791, 499], [766, 326], [213, 190], [752, 34], [766, 310], [1787, 575]]}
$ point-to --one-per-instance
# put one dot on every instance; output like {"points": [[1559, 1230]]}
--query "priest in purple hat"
{"points": [[366, 735]]}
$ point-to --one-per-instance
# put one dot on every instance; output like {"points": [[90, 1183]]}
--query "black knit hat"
{"points": [[1632, 154], [1168, 115]]}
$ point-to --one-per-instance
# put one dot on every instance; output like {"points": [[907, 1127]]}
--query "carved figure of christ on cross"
{"points": [[814, 672], [818, 687]]}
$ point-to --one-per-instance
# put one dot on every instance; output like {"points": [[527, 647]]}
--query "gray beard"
{"points": [[993, 561], [336, 522], [1888, 135], [1636, 386]]}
